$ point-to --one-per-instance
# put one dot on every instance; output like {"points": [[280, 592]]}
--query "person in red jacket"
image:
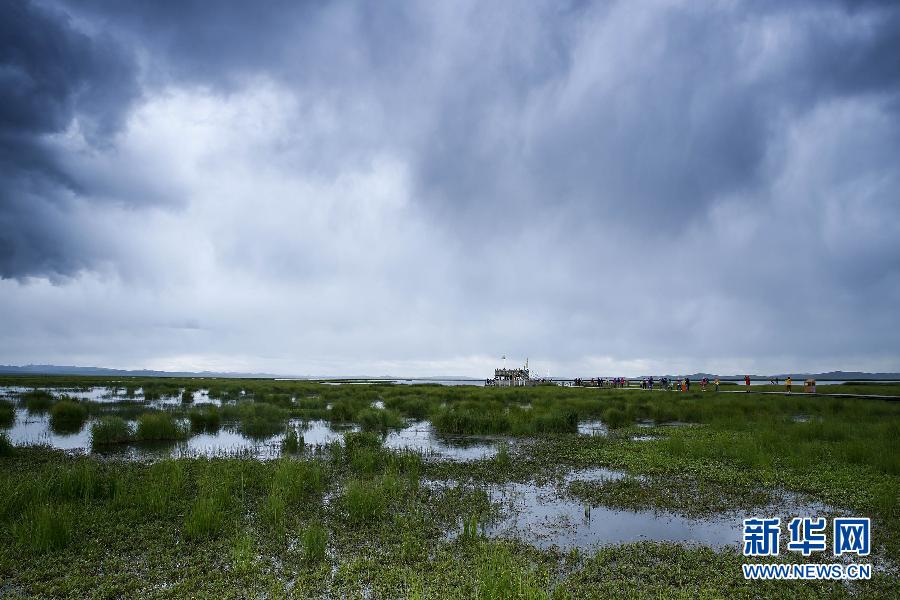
{"points": [[747, 382]]}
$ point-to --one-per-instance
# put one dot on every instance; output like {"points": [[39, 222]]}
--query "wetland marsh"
{"points": [[270, 489]]}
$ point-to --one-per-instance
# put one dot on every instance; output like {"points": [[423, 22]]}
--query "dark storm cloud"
{"points": [[675, 167], [50, 74]]}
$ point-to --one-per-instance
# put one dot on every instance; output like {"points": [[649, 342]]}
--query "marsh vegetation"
{"points": [[355, 513]]}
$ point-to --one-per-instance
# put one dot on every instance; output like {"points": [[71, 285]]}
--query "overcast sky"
{"points": [[418, 188]]}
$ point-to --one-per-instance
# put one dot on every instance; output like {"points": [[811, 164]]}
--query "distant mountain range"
{"points": [[102, 371], [829, 376]]}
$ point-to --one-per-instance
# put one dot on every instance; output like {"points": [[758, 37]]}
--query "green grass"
{"points": [[152, 427], [379, 419], [364, 501], [156, 491], [43, 528], [206, 518], [294, 484], [314, 542], [260, 420], [362, 520], [471, 417], [7, 414], [37, 401], [206, 419], [243, 555], [110, 430], [6, 447], [292, 442], [67, 416]]}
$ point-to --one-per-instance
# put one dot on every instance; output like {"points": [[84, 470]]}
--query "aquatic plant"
{"points": [[206, 418], [354, 440], [159, 427], [274, 510], [260, 420], [37, 401], [499, 575], [44, 528], [67, 416], [293, 483], [614, 417], [6, 447], [206, 517], [110, 430], [157, 490], [292, 442], [83, 481], [379, 418], [364, 502], [415, 407], [470, 529], [7, 414], [187, 396], [503, 459], [314, 542], [297, 481], [243, 557]]}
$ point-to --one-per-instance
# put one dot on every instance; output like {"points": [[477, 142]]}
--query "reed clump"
{"points": [[110, 430], [206, 419], [314, 542], [160, 426], [67, 416], [7, 414]]}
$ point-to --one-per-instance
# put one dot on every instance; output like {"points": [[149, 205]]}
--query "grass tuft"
{"points": [[293, 441], [314, 542], [243, 557], [110, 430], [205, 419], [67, 416], [7, 414], [206, 518], [37, 401], [6, 447], [159, 427], [44, 528]]}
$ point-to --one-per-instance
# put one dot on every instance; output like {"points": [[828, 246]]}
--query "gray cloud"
{"points": [[346, 186], [52, 77]]}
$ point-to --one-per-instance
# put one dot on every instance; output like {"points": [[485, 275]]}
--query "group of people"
{"points": [[607, 382], [647, 383], [664, 383], [684, 384]]}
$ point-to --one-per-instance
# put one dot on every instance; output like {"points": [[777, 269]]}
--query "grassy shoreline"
{"points": [[357, 519]]}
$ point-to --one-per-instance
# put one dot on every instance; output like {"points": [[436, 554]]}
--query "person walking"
{"points": [[747, 382], [717, 384], [787, 384]]}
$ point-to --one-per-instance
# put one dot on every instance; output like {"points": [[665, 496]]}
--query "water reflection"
{"points": [[419, 436], [545, 516]]}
